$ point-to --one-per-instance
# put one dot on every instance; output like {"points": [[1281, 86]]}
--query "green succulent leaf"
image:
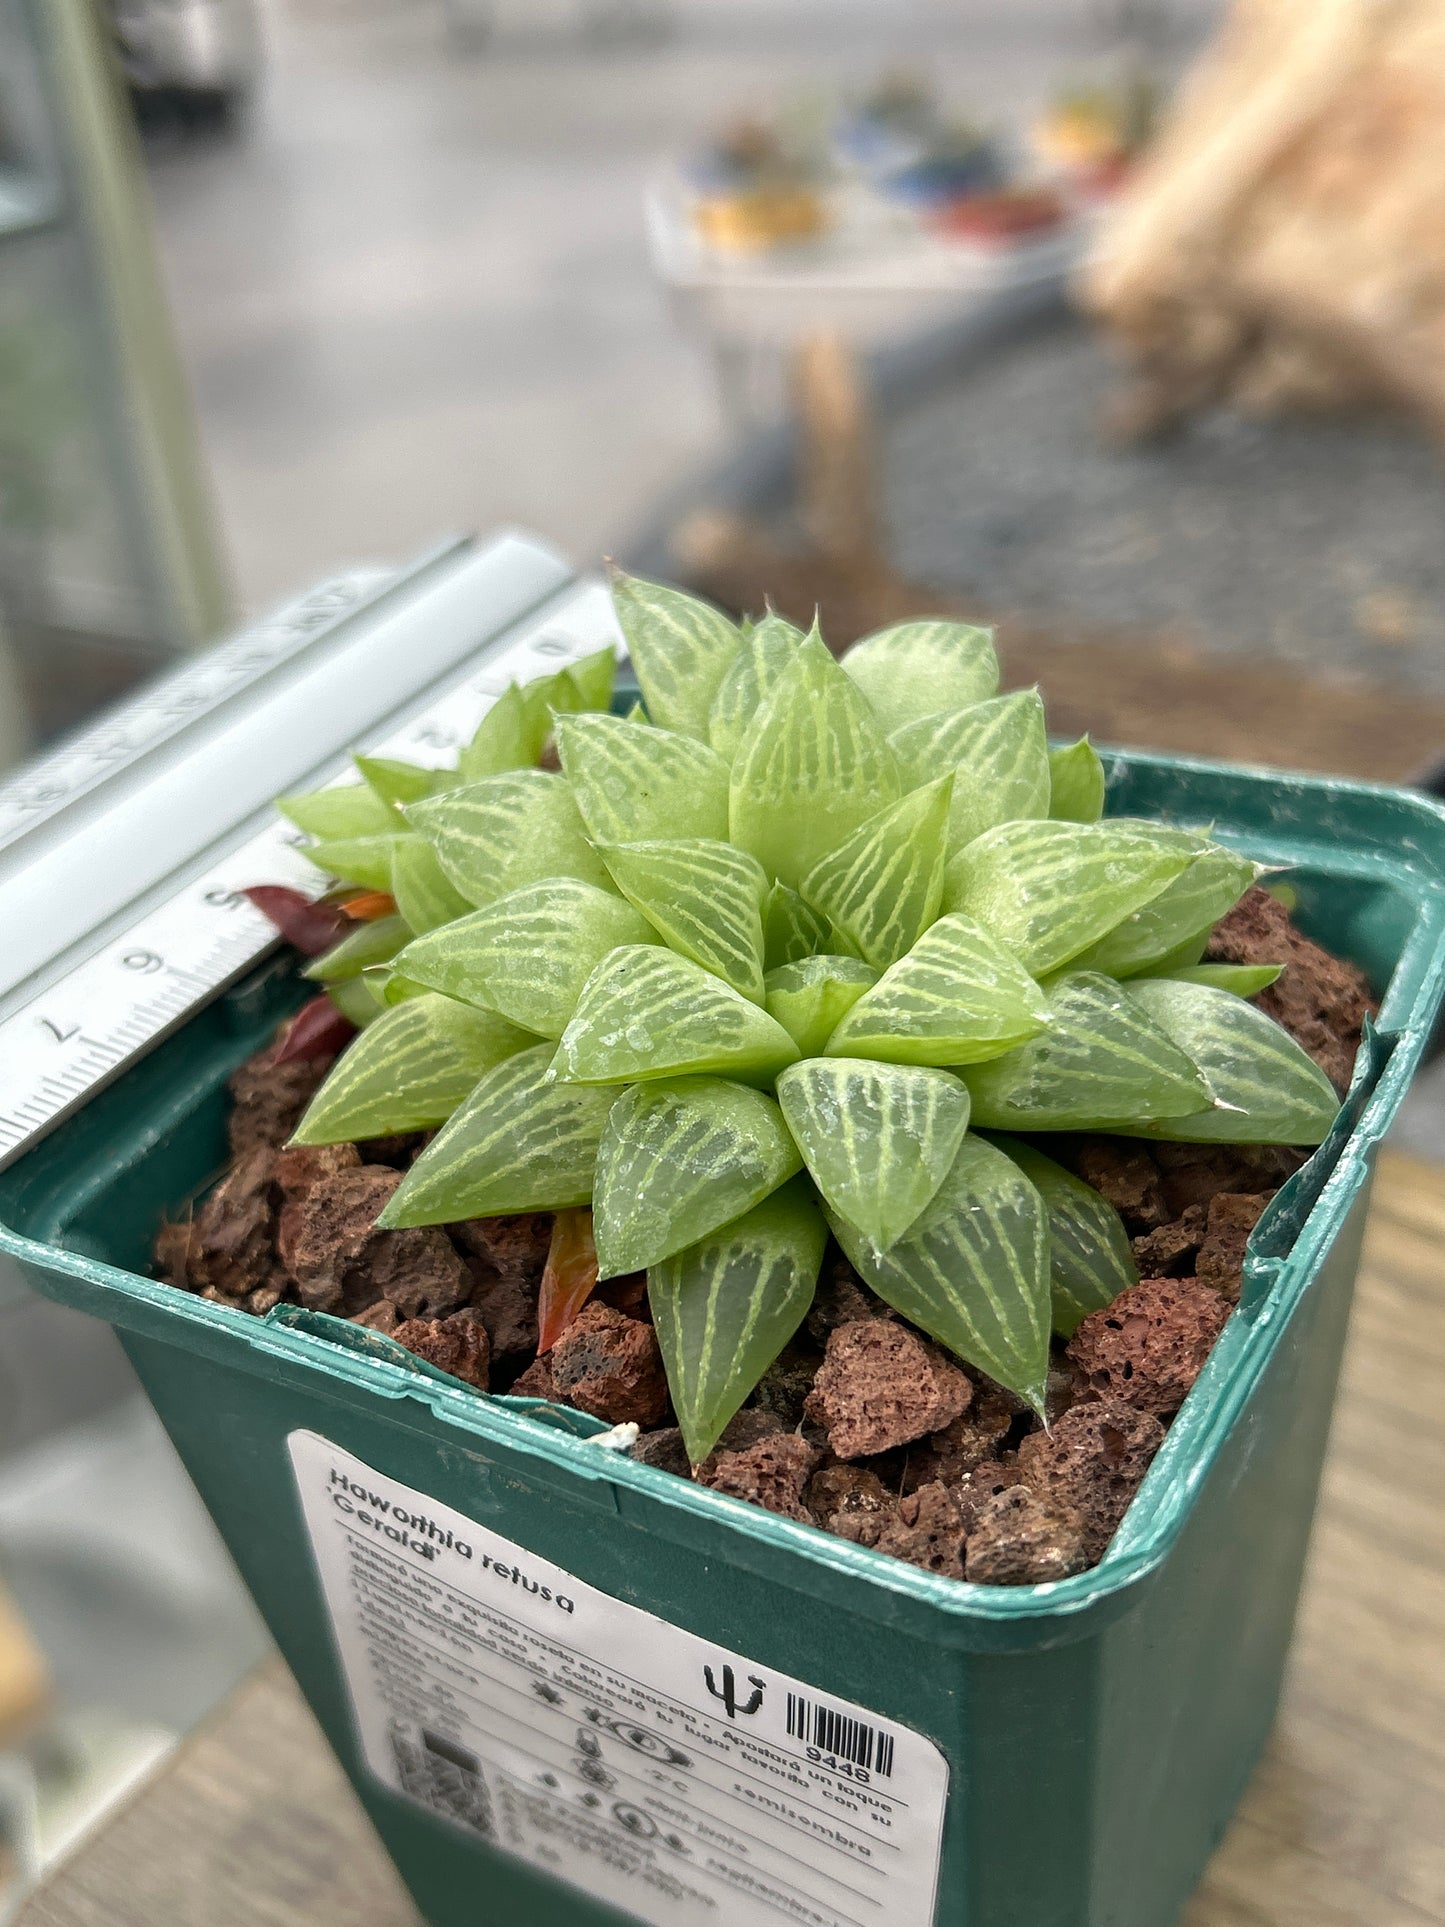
{"points": [[725, 1307], [365, 944], [1076, 782], [646, 1013], [505, 739], [678, 1159], [704, 898], [973, 1269], [882, 886], [388, 986], [340, 812], [364, 860], [520, 1142], [424, 896], [814, 769], [529, 954], [494, 836], [1048, 891], [812, 997], [1090, 1259], [1103, 1063], [408, 1070], [680, 648], [765, 655], [999, 753], [916, 669], [1241, 980], [396, 783], [633, 784], [958, 997], [356, 1000], [593, 678], [1211, 884], [1266, 1090], [792, 930], [878, 1139]]}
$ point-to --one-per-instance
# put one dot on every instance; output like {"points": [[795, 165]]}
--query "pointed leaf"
{"points": [[395, 782], [958, 997], [1240, 980], [678, 1159], [882, 887], [999, 752], [357, 1002], [724, 1308], [388, 986], [703, 898], [1090, 1259], [811, 998], [792, 929], [1048, 890], [495, 836], [521, 1142], [765, 655], [647, 1013], [363, 945], [633, 783], [506, 739], [1210, 886], [973, 1269], [680, 648], [1267, 1090], [528, 954], [342, 811], [358, 859], [918, 668], [1076, 783], [419, 884], [593, 678], [408, 1071], [877, 1138], [569, 1276], [1101, 1064], [814, 768]]}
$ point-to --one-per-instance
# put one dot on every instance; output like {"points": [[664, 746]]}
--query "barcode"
{"points": [[840, 1734]]}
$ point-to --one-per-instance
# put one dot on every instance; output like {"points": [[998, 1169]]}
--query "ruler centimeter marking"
{"points": [[143, 982]]}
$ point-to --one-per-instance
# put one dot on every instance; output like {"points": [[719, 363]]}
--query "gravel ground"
{"points": [[1315, 541]]}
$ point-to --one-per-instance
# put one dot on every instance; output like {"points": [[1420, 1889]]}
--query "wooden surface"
{"points": [[1344, 1826]]}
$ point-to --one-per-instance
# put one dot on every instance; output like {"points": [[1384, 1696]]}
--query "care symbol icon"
{"points": [[728, 1692]]}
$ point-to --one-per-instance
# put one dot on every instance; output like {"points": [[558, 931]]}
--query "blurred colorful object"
{"points": [[756, 189]]}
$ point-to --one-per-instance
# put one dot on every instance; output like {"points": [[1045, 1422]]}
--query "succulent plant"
{"points": [[804, 946]]}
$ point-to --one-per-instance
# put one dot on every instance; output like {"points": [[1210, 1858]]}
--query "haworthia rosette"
{"points": [[1076, 782], [680, 648], [1211, 884], [519, 1143], [678, 1159], [814, 768], [1090, 1258], [763, 659], [958, 997], [725, 1307], [915, 669], [811, 998], [703, 898], [878, 1139], [496, 835], [883, 885], [645, 1013], [1102, 1063], [635, 784], [528, 954], [999, 753], [408, 1070], [424, 894], [973, 1269]]}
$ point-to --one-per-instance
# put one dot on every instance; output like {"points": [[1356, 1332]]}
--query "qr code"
{"points": [[443, 1776]]}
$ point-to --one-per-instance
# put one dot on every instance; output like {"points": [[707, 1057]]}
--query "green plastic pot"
{"points": [[1098, 1731]]}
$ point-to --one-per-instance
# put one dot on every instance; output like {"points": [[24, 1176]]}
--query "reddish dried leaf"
{"points": [[317, 1030], [569, 1277], [312, 927], [370, 906]]}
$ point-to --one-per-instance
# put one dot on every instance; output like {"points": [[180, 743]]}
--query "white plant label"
{"points": [[686, 1785]]}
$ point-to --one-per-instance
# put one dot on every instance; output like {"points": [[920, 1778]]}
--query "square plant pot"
{"points": [[571, 1688]]}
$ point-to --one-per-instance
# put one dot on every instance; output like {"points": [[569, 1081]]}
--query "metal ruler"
{"points": [[123, 854]]}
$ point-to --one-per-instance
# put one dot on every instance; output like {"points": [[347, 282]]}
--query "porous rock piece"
{"points": [[1148, 1347], [1321, 1000], [743, 1429], [342, 1262], [1195, 1173], [1091, 1465], [1124, 1173], [966, 1441], [773, 1472], [515, 1248], [508, 1309], [881, 1385], [784, 1387], [457, 1344], [664, 1449], [1020, 1539], [537, 1382], [842, 1298], [1232, 1216], [267, 1098], [1168, 1252], [926, 1530], [851, 1502], [609, 1364], [973, 1491], [627, 1293], [382, 1317], [299, 1166], [230, 1250]]}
